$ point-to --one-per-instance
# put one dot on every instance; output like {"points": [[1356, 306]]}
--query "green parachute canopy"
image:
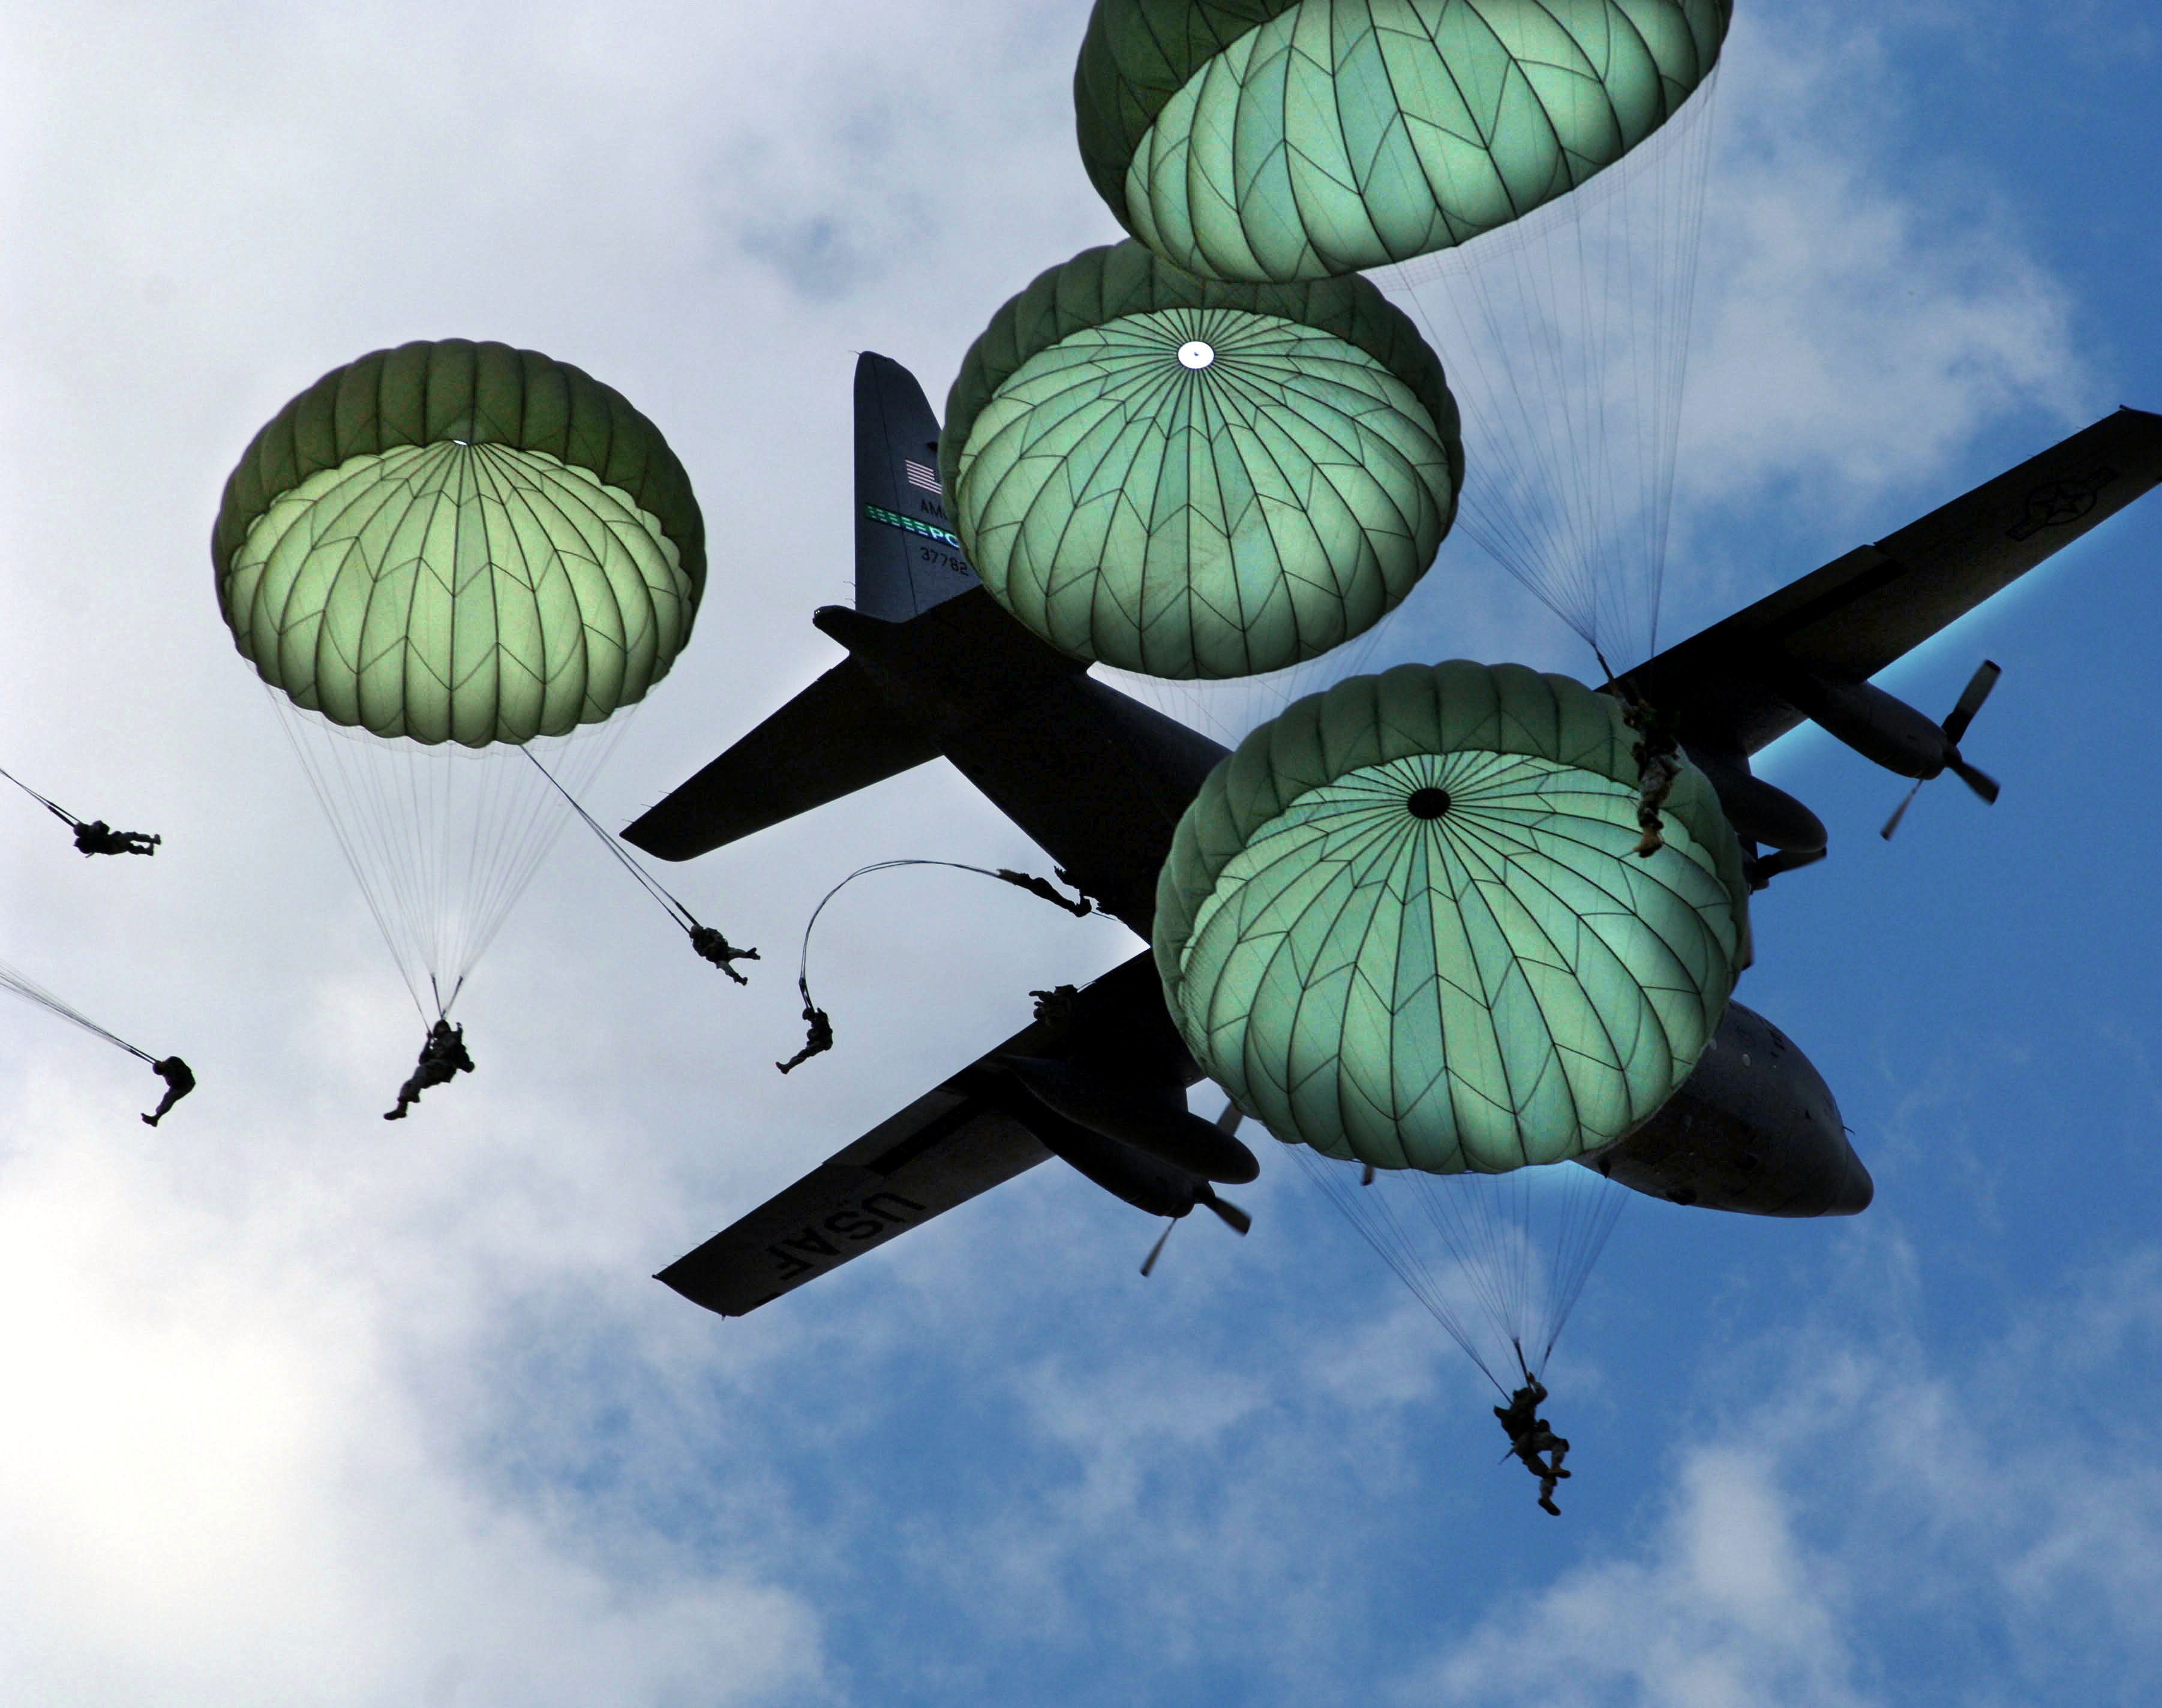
{"points": [[460, 542], [1282, 139], [445, 561], [1192, 479], [1403, 922]]}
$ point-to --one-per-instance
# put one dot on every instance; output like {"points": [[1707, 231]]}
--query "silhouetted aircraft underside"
{"points": [[1098, 781]]}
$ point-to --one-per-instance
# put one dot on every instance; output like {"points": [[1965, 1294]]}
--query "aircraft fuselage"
{"points": [[1099, 781], [1096, 779]]}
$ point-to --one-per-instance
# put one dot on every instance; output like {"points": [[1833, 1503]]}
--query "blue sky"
{"points": [[302, 1408]]}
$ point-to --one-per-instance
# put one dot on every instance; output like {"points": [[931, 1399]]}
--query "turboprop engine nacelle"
{"points": [[1758, 811], [1146, 1181], [1754, 1128], [1150, 1119], [1873, 723]]}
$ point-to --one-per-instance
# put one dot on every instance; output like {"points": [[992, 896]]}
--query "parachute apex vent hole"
{"points": [[1196, 354], [1428, 802]]}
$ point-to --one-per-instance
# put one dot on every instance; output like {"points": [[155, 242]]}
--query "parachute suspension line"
{"points": [[1587, 1214], [653, 886], [709, 944], [1502, 1259], [441, 840], [1480, 1220], [1536, 1303], [517, 826], [1689, 186], [821, 1038], [31, 990], [1586, 1224], [1374, 1216], [1080, 908], [350, 828], [1527, 1240], [58, 811], [1565, 336]]}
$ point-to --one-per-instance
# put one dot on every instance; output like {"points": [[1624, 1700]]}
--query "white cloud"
{"points": [[216, 1483], [1727, 1609], [300, 1407], [1866, 312], [1871, 1508]]}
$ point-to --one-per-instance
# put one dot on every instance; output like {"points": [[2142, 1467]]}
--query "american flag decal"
{"points": [[924, 479]]}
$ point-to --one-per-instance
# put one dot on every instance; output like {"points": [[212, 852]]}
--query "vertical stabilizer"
{"points": [[908, 559]]}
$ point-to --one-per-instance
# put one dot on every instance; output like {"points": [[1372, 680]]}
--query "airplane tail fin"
{"points": [[841, 733], [907, 557], [838, 734]]}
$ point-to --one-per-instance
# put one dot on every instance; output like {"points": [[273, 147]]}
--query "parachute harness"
{"points": [[708, 944], [818, 1025], [92, 836], [1657, 754], [179, 1082], [1658, 767]]}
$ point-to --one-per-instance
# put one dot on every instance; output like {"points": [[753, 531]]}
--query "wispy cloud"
{"points": [[301, 1407], [1870, 1507], [1865, 314], [217, 1483]]}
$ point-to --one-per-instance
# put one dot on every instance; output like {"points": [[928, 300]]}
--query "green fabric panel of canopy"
{"points": [[1282, 139], [1404, 923], [461, 542], [1192, 479]]}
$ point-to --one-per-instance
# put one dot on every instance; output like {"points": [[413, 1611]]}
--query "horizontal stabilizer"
{"points": [[836, 737]]}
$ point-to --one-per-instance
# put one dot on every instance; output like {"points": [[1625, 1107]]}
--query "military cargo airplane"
{"points": [[1099, 1078]]}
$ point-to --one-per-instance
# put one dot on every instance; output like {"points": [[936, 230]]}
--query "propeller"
{"points": [[1955, 726], [1235, 1218]]}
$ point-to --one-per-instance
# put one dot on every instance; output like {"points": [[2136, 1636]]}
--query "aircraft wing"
{"points": [[1850, 619], [835, 738], [942, 1150]]}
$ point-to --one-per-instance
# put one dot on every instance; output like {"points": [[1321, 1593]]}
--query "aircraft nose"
{"points": [[1856, 1189]]}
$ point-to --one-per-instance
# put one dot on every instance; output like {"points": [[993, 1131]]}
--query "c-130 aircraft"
{"points": [[1098, 781]]}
